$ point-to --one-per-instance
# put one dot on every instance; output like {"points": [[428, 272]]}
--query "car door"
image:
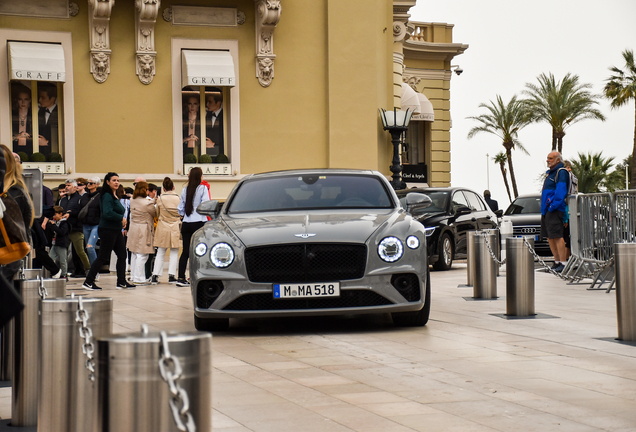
{"points": [[480, 211], [463, 223]]}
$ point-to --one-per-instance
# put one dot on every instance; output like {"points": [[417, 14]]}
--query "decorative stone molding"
{"points": [[99, 12], [267, 17], [167, 14], [240, 17], [73, 9], [412, 81], [146, 12]]}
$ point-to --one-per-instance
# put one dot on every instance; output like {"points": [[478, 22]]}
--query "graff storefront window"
{"points": [[36, 119], [203, 141]]}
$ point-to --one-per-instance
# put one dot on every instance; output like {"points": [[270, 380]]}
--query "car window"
{"points": [[474, 201], [459, 201], [527, 205], [337, 191]]}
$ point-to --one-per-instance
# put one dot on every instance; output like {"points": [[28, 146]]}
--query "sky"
{"points": [[511, 42]]}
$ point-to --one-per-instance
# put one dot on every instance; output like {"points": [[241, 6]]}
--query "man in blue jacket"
{"points": [[553, 194]]}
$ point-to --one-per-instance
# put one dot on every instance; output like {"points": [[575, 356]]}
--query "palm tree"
{"points": [[501, 159], [620, 89], [504, 121], [561, 104], [593, 173]]}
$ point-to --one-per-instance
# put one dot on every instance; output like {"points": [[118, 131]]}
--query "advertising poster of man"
{"points": [[47, 118], [191, 122], [214, 121], [21, 118]]}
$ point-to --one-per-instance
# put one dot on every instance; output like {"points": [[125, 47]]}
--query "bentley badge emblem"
{"points": [[304, 236]]}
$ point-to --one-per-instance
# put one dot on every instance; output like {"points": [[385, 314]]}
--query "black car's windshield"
{"points": [[335, 191], [439, 200], [527, 205]]}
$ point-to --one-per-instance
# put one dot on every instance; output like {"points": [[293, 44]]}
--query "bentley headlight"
{"points": [[201, 249], [390, 249], [412, 242], [222, 255]]}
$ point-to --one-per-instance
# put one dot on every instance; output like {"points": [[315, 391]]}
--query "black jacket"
{"points": [[93, 215], [61, 233], [72, 205]]}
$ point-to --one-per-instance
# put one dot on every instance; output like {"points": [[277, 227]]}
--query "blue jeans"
{"points": [[91, 236]]}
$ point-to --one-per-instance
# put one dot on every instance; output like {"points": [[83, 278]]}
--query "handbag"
{"points": [[14, 243], [84, 211], [10, 301]]}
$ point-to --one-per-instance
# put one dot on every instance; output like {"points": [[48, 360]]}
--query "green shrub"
{"points": [[38, 157], [190, 159], [54, 157], [221, 159], [205, 159], [23, 156]]}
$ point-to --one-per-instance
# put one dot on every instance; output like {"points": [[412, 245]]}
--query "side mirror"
{"points": [[416, 203], [462, 210], [208, 208], [499, 213]]}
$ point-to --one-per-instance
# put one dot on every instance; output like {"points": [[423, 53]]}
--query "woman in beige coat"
{"points": [[141, 232], [168, 234]]}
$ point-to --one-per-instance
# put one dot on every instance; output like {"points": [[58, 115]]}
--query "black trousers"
{"points": [[187, 229], [42, 259], [110, 240]]}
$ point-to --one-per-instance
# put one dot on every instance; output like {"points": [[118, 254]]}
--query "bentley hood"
{"points": [[349, 227]]}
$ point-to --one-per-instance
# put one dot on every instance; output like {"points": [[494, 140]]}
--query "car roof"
{"points": [[314, 171]]}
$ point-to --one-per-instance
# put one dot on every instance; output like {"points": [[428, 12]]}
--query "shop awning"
{"points": [[36, 61], [410, 99], [426, 112], [207, 68]]}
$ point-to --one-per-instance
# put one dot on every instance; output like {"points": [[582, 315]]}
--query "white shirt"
{"points": [[200, 195], [47, 114]]}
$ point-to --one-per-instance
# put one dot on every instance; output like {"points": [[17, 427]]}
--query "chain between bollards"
{"points": [[492, 254], [42, 289], [170, 368], [88, 348]]}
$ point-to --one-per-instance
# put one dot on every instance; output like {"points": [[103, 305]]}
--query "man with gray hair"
{"points": [[91, 221], [71, 203], [553, 194]]}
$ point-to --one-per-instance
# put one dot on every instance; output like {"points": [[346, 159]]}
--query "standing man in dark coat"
{"points": [[214, 123], [47, 118], [494, 206]]}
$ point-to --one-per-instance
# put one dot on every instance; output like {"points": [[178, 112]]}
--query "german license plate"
{"points": [[330, 289]]}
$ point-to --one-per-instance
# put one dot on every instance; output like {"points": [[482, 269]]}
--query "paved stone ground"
{"points": [[468, 370]]}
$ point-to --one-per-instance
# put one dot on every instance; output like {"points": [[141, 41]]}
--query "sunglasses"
{"points": [[81, 184], [90, 183]]}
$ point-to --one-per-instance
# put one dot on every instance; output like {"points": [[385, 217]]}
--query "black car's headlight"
{"points": [[201, 249], [222, 255], [390, 249]]}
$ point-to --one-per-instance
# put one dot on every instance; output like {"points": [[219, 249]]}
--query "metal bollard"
{"points": [[24, 395], [470, 258], [68, 397], [496, 245], [485, 283], [6, 332], [625, 260], [519, 277], [133, 397]]}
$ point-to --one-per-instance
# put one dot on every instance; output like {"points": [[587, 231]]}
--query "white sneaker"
{"points": [[57, 275]]}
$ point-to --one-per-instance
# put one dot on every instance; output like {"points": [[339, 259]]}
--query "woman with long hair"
{"points": [[191, 124], [15, 187], [192, 195], [111, 224], [141, 232], [168, 233], [22, 123]]}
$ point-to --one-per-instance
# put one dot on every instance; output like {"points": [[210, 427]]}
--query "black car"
{"points": [[454, 211], [525, 215]]}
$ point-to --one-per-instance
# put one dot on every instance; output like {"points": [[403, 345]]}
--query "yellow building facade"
{"points": [[292, 84]]}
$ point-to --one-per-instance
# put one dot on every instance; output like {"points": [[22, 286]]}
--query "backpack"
{"points": [[573, 182]]}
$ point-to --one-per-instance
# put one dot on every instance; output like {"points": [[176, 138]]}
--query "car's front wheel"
{"points": [[211, 324], [419, 318], [444, 253]]}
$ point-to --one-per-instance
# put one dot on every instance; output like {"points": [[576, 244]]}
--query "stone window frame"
{"points": [[233, 130], [68, 98]]}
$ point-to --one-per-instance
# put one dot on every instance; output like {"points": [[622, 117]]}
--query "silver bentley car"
{"points": [[310, 242]]}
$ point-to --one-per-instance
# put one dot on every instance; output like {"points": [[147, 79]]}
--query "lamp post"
{"points": [[396, 122]]}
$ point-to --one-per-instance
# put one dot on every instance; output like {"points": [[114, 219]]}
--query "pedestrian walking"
{"points": [[59, 245]]}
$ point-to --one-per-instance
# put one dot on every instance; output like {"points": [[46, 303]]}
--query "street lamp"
{"points": [[396, 122]]}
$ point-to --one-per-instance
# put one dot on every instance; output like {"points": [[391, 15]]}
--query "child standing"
{"points": [[61, 228]]}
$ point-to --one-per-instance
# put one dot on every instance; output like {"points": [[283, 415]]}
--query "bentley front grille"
{"points": [[310, 262]]}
